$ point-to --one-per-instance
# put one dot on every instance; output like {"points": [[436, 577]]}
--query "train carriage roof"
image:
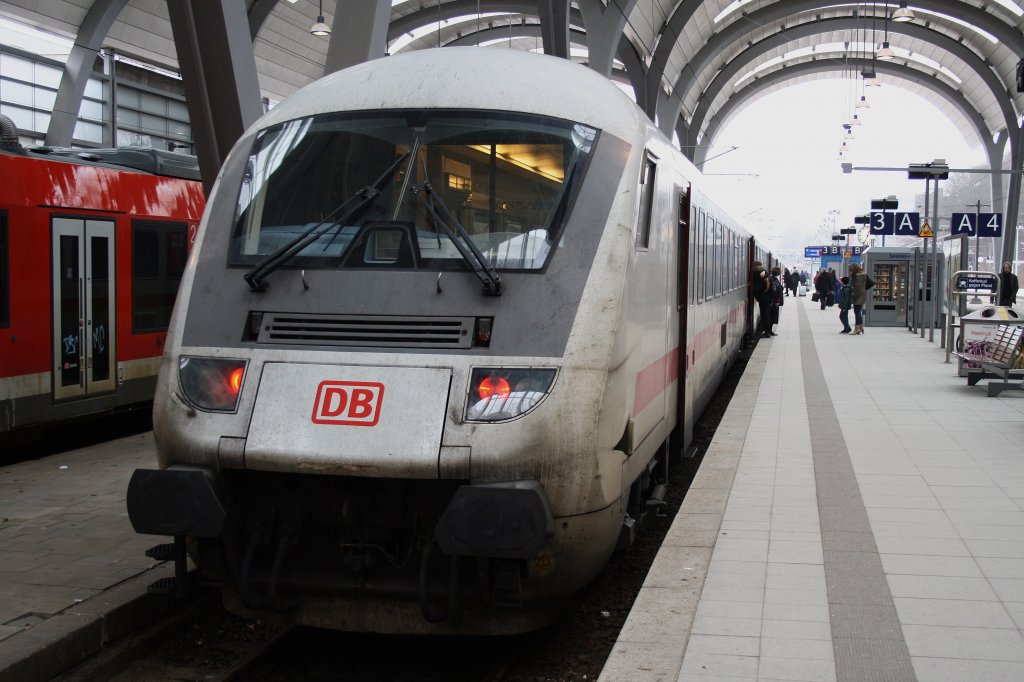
{"points": [[470, 78]]}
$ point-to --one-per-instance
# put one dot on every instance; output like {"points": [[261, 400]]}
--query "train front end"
{"points": [[380, 407]]}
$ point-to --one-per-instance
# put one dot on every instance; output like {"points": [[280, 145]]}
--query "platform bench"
{"points": [[998, 360]]}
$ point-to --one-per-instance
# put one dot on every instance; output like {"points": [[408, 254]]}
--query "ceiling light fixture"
{"points": [[904, 13], [320, 28], [863, 103], [886, 54]]}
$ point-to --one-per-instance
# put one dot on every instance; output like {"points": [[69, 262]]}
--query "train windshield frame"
{"points": [[508, 179]]}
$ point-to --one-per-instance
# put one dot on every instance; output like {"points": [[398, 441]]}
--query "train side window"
{"points": [[682, 234], [701, 260], [726, 254], [709, 263], [719, 259], [643, 223], [5, 274], [691, 261], [159, 253]]}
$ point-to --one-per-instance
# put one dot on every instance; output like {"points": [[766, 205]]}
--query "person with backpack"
{"points": [[860, 286]]}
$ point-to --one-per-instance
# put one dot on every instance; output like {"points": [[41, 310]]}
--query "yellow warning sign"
{"points": [[925, 231]]}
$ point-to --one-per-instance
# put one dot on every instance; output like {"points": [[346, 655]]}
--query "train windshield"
{"points": [[506, 179]]}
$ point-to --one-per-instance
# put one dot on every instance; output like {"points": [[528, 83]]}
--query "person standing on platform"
{"points": [[762, 291], [822, 287], [777, 292], [1008, 286], [845, 303], [785, 281], [794, 282], [859, 284]]}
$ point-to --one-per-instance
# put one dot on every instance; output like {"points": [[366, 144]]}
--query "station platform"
{"points": [[859, 516], [73, 573]]}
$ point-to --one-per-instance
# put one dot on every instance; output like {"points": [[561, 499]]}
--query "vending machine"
{"points": [[889, 268]]}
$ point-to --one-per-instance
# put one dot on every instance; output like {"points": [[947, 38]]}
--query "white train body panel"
{"points": [[328, 439]]}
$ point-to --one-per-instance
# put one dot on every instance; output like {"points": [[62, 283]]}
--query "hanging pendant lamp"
{"points": [[320, 28], [903, 14]]}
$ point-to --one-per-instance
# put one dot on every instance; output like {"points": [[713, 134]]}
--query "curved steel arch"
{"points": [[626, 54], [457, 8], [669, 106], [994, 149], [78, 68], [758, 49]]}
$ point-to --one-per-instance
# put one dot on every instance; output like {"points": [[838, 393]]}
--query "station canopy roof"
{"points": [[694, 62]]}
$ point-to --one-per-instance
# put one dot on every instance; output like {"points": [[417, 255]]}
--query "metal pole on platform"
{"points": [[936, 292], [924, 262]]}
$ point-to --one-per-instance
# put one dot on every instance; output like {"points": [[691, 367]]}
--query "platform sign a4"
{"points": [[977, 224]]}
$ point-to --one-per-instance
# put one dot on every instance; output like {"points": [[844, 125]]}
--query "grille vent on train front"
{"points": [[367, 330]]}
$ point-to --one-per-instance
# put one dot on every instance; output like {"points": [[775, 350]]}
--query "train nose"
{"points": [[346, 419]]}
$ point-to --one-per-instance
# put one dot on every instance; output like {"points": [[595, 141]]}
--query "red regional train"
{"points": [[92, 247]]}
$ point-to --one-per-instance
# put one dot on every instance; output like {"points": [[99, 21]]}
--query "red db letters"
{"points": [[356, 403]]}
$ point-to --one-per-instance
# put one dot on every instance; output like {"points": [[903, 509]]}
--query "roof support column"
{"points": [[995, 150], [218, 71], [604, 24], [83, 55], [359, 33], [554, 26], [1009, 240]]}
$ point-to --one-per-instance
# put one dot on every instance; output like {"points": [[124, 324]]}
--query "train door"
{"points": [[83, 307], [682, 306]]}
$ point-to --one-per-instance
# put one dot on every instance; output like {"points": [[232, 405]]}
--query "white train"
{"points": [[442, 316]]}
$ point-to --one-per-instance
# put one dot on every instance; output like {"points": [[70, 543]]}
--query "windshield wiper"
{"points": [[464, 244], [342, 213]]}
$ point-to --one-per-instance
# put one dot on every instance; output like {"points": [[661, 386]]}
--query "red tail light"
{"points": [[235, 380], [493, 386]]}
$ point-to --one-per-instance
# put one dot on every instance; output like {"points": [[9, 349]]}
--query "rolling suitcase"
{"points": [[801, 290]]}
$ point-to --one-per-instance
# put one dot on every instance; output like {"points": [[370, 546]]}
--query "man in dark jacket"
{"points": [[823, 287], [1008, 286], [762, 290]]}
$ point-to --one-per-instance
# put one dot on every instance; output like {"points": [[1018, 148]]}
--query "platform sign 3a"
{"points": [[977, 224], [899, 223]]}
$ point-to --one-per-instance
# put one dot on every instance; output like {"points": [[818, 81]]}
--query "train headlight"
{"points": [[211, 384], [497, 394]]}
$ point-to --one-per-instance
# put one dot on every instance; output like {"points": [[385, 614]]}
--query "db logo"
{"points": [[356, 403]]}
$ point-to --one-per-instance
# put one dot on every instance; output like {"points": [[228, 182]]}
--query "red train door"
{"points": [[83, 307]]}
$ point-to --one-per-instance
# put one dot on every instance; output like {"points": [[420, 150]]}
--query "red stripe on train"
{"points": [[653, 379]]}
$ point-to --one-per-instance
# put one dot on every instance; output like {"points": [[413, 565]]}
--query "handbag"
{"points": [[814, 297]]}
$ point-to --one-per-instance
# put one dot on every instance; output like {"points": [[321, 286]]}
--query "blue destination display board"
{"points": [[976, 282], [899, 224], [812, 252], [977, 224], [839, 250]]}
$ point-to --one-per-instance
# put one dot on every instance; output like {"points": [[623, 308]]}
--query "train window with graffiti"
{"points": [[159, 253], [643, 221], [5, 275], [390, 189]]}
